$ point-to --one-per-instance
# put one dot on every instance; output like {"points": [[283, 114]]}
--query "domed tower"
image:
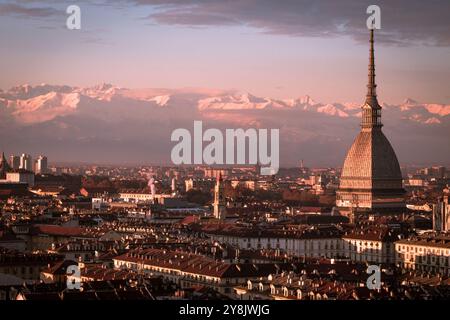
{"points": [[371, 180]]}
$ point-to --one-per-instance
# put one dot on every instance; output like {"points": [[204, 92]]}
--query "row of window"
{"points": [[423, 250]]}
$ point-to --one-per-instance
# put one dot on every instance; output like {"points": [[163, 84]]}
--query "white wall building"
{"points": [[142, 196], [376, 246], [308, 245], [22, 176], [430, 253]]}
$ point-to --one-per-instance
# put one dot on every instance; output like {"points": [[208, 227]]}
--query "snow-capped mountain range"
{"points": [[32, 104], [43, 116]]}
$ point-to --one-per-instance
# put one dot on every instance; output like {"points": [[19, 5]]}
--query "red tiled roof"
{"points": [[197, 264], [60, 268], [189, 220], [304, 232], [383, 234], [56, 230]]}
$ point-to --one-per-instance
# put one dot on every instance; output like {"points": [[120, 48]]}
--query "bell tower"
{"points": [[219, 199]]}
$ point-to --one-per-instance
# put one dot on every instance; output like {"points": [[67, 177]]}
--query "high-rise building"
{"points": [[14, 162], [26, 162], [371, 180], [435, 172], [41, 165], [219, 200]]}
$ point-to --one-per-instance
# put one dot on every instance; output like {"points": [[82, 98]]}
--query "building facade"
{"points": [[441, 214], [427, 253], [21, 176]]}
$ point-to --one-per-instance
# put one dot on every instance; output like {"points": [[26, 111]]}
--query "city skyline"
{"points": [[298, 67]]}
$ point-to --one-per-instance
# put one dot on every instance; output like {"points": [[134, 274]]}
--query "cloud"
{"points": [[403, 22], [91, 38], [12, 9]]}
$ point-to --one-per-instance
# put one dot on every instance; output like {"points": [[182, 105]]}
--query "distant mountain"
{"points": [[111, 124]]}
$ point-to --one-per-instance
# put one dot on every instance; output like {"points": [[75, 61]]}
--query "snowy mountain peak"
{"points": [[332, 110], [103, 87], [307, 100], [27, 91], [104, 91], [161, 100], [409, 102]]}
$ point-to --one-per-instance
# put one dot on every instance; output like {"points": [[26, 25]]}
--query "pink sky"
{"points": [[266, 49]]}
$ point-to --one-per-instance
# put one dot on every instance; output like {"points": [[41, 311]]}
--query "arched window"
{"points": [[272, 289]]}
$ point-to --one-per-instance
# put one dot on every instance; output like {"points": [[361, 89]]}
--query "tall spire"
{"points": [[371, 110], [371, 86]]}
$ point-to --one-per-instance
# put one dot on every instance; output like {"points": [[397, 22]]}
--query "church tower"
{"points": [[219, 199], [371, 180], [4, 166]]}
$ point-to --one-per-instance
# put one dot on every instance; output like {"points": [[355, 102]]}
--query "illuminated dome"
{"points": [[371, 163]]}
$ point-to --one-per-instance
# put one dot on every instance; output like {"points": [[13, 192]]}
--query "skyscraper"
{"points": [[41, 165], [371, 180], [14, 162], [26, 162]]}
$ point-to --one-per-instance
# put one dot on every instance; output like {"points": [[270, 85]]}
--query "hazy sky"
{"points": [[269, 48]]}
